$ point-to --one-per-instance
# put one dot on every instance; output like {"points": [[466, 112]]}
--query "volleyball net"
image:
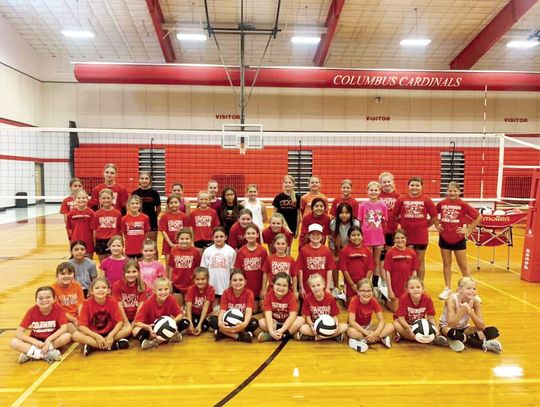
{"points": [[37, 164]]}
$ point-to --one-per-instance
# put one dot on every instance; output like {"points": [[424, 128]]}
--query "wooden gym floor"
{"points": [[200, 372]]}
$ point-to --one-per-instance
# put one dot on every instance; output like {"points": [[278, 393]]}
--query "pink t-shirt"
{"points": [[150, 272], [373, 216], [113, 269]]}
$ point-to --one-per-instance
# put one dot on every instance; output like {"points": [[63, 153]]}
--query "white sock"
{"points": [[34, 352]]}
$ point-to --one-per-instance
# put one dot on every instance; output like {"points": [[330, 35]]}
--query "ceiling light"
{"points": [[414, 42], [305, 40], [191, 37], [522, 44], [77, 34]]}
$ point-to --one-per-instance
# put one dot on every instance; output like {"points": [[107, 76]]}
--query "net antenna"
{"points": [[242, 137]]}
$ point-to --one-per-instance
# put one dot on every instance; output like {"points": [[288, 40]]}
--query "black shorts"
{"points": [[153, 223], [419, 246], [203, 244], [389, 239], [136, 256], [101, 246], [176, 290], [461, 245]]}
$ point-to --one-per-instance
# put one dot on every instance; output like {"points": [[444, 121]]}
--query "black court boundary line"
{"points": [[252, 376]]}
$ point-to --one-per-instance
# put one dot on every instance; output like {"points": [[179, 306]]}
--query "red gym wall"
{"points": [[194, 165]]}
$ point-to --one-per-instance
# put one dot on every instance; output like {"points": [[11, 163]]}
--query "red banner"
{"points": [[285, 77]]}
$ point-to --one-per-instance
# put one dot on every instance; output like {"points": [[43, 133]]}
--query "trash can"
{"points": [[21, 202]]}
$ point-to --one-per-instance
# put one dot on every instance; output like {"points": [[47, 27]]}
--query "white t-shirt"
{"points": [[219, 263]]}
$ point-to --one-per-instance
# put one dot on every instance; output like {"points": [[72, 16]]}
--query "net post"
{"points": [[501, 167]]}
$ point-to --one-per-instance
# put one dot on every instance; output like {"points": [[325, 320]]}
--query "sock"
{"points": [[34, 353]]}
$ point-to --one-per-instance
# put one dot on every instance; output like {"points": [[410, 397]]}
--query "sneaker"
{"points": [[342, 296], [120, 344], [387, 341], [335, 292], [219, 335], [264, 337], [377, 294], [52, 356], [492, 346], [455, 345], [304, 338], [359, 346], [339, 338], [177, 337], [87, 349], [245, 337], [440, 341], [149, 344], [445, 293], [23, 358]]}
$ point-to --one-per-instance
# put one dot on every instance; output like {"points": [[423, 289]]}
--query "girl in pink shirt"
{"points": [[151, 269]]}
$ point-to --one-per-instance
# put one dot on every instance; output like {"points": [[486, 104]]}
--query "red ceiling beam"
{"points": [[164, 39], [496, 28], [326, 39]]}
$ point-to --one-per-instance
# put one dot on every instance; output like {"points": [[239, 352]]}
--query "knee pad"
{"points": [[142, 335], [383, 254], [213, 322], [183, 324], [253, 325], [491, 332], [456, 335]]}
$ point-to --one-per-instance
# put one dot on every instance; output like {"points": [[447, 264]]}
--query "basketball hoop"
{"points": [[242, 148]]}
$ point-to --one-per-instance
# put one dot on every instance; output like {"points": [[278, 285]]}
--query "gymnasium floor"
{"points": [[200, 372]]}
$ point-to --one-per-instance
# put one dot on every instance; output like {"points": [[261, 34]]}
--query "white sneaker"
{"points": [[358, 345], [445, 293], [335, 292], [149, 344], [177, 337], [23, 358], [342, 296], [52, 356], [440, 341], [455, 345], [386, 341], [492, 346]]}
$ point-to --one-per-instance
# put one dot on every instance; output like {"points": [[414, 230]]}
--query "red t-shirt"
{"points": [[275, 264], [43, 326], [454, 214], [389, 200], [128, 297], [135, 229], [357, 261], [203, 223], [69, 297], [100, 318], [281, 308], [171, 223], [268, 237], [314, 308], [400, 264], [350, 200], [152, 310], [67, 205], [243, 301], [251, 262], [312, 261], [412, 214], [236, 236], [120, 196], [198, 298], [80, 224], [106, 224], [412, 312], [363, 312], [183, 262], [309, 219]]}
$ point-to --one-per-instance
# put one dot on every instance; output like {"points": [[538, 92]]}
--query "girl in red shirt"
{"points": [[170, 224], [416, 213], [161, 303], [135, 226], [317, 303], [389, 196], [130, 291], [237, 233], [280, 262], [413, 305], [199, 299], [250, 260], [48, 324], [203, 220], [240, 297], [280, 310], [75, 185], [183, 260], [79, 222], [400, 264], [178, 190], [361, 309], [278, 225], [316, 215], [458, 220], [101, 325], [106, 223], [120, 195]]}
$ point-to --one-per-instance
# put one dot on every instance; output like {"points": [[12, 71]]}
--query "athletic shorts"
{"points": [[101, 246], [177, 290], [389, 239], [419, 246], [203, 244], [461, 245]]}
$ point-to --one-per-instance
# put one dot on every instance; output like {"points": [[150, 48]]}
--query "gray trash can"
{"points": [[21, 202]]}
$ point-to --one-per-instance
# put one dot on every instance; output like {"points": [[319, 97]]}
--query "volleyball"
{"points": [[423, 330], [233, 317], [325, 325], [165, 327]]}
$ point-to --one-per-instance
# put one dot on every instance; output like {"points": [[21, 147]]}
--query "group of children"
{"points": [[215, 261]]}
